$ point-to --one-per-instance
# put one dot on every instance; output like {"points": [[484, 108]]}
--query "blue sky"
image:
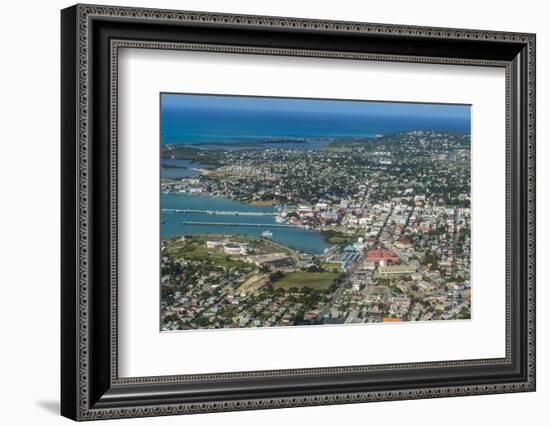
{"points": [[272, 104]]}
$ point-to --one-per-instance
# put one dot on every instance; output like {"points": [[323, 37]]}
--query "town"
{"points": [[394, 210]]}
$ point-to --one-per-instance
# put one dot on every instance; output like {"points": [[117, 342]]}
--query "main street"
{"points": [[353, 267]]}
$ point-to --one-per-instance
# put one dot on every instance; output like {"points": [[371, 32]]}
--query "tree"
{"points": [[464, 313], [315, 268], [203, 322], [276, 276]]}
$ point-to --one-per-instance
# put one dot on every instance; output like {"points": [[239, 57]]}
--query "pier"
{"points": [[240, 224], [220, 212]]}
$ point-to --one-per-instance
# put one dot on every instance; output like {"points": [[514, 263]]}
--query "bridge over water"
{"points": [[240, 224], [220, 212]]}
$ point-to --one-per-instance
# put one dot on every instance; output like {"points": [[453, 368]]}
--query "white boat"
{"points": [[267, 234]]}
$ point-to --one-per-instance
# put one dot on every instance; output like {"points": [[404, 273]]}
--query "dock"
{"points": [[240, 224], [219, 212]]}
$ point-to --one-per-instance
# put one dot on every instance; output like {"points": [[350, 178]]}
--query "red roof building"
{"points": [[378, 255]]}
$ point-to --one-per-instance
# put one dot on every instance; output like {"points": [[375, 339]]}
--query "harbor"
{"points": [[203, 215], [243, 224], [220, 212]]}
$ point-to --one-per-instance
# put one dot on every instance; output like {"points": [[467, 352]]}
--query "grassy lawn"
{"points": [[336, 237], [342, 146], [317, 280], [194, 248], [190, 247]]}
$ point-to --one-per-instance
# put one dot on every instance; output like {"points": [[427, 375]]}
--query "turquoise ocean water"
{"points": [[226, 122], [298, 238]]}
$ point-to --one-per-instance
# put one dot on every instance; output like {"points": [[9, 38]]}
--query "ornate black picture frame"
{"points": [[91, 36]]}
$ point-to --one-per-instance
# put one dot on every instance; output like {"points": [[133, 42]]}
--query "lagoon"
{"points": [[178, 169]]}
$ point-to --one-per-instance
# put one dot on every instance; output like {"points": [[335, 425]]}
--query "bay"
{"points": [[298, 238], [178, 169]]}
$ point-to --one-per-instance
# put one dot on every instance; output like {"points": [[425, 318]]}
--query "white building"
{"points": [[233, 248], [214, 243]]}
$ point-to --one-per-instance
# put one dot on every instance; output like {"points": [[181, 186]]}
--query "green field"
{"points": [[336, 237], [194, 248], [330, 148], [316, 280], [343, 145]]}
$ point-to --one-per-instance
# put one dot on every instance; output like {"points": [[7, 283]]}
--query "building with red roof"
{"points": [[377, 255]]}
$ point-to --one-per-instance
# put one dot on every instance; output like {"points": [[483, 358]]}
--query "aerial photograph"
{"points": [[279, 212]]}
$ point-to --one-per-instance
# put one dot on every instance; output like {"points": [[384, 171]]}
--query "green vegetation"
{"points": [[464, 313], [348, 180], [276, 276], [191, 247], [315, 280], [185, 152], [336, 148], [458, 278], [430, 259], [335, 237], [194, 248]]}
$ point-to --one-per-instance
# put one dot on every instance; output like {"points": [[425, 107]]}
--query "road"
{"points": [[407, 222], [353, 266]]}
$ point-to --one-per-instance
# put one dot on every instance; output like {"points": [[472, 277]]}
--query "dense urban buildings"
{"points": [[282, 231]]}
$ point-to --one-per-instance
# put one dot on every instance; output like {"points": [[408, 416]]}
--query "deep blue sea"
{"points": [[220, 127], [210, 121]]}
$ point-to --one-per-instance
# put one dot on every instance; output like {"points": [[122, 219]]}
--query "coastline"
{"points": [[348, 229], [184, 209], [331, 237], [263, 203]]}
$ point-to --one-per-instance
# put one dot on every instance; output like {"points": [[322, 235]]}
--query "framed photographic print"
{"points": [[263, 212]]}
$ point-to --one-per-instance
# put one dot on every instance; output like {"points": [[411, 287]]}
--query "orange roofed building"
{"points": [[378, 255]]}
